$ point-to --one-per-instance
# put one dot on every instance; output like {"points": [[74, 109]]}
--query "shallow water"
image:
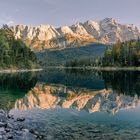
{"points": [[70, 124], [70, 104]]}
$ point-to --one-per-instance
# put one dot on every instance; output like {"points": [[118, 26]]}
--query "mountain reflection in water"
{"points": [[76, 104], [77, 89], [52, 96]]}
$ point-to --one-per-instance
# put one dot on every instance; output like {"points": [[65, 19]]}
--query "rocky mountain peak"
{"points": [[79, 29], [65, 30], [47, 36], [109, 20]]}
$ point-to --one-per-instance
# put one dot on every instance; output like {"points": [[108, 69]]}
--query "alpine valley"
{"points": [[53, 46]]}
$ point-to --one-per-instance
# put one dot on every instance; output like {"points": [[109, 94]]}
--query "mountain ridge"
{"points": [[106, 31]]}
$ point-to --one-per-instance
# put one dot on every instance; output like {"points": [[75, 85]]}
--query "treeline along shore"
{"points": [[122, 55]]}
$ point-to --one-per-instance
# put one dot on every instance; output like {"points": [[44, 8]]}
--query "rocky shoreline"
{"points": [[11, 128]]}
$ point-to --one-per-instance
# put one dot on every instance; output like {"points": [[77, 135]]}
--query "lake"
{"points": [[75, 104]]}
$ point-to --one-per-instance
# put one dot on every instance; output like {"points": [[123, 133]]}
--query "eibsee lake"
{"points": [[75, 104]]}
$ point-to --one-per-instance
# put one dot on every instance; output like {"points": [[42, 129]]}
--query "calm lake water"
{"points": [[75, 104]]}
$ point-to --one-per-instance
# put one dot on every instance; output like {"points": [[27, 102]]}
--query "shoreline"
{"points": [[70, 68], [15, 128], [97, 68], [18, 70]]}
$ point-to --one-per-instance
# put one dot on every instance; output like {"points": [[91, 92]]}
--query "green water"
{"points": [[15, 86]]}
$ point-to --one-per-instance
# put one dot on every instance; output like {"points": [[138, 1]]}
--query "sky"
{"points": [[68, 12]]}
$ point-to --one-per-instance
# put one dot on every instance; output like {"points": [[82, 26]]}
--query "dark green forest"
{"points": [[14, 53], [125, 54], [122, 54]]}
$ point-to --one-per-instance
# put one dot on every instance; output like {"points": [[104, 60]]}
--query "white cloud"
{"points": [[11, 22]]}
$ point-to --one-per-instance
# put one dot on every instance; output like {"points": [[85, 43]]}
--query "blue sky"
{"points": [[67, 12]]}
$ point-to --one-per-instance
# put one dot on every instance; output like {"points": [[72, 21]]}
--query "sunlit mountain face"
{"points": [[47, 36], [45, 96]]}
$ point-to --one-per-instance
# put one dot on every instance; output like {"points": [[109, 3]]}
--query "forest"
{"points": [[121, 54], [14, 53]]}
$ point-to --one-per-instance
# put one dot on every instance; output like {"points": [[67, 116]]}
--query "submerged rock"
{"points": [[14, 129], [21, 119], [3, 124]]}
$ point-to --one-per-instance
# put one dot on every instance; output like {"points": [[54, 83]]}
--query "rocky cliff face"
{"points": [[52, 96], [80, 34]]}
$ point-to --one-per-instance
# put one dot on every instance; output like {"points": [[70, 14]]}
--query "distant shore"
{"points": [[18, 70], [76, 68], [97, 68]]}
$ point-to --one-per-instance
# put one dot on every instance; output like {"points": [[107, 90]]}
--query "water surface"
{"points": [[75, 104]]}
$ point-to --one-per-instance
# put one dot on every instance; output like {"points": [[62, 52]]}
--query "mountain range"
{"points": [[106, 31]]}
